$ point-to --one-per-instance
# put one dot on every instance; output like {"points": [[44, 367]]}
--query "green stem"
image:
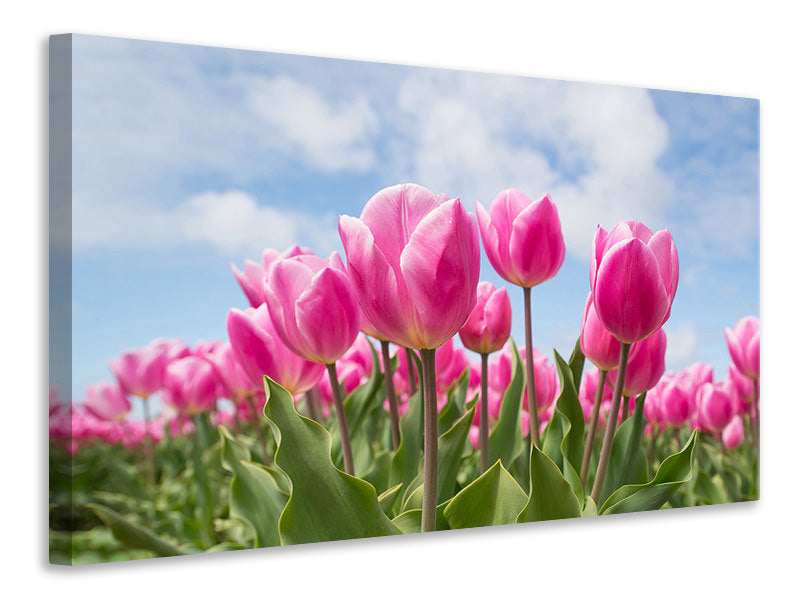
{"points": [[431, 437], [626, 405], [257, 424], [394, 413], [484, 424], [412, 372], [312, 405], [149, 450], [533, 413], [587, 451], [204, 505], [611, 424], [344, 432]]}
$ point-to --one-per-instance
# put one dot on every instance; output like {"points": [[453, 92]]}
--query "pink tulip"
{"points": [[313, 306], [141, 372], [715, 405], [205, 347], [451, 362], [414, 260], [588, 392], [676, 403], [253, 278], [191, 385], [744, 387], [523, 239], [351, 370], [489, 324], [645, 365], [597, 344], [172, 349], [633, 278], [230, 373], [261, 352], [654, 405], [107, 402], [546, 382], [733, 434], [744, 343]]}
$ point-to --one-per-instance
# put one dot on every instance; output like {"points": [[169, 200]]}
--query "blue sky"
{"points": [[186, 158]]}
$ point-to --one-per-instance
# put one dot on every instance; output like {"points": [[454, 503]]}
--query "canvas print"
{"points": [[297, 299]]}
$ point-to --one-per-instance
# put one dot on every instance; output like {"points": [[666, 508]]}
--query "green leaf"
{"points": [[589, 508], [710, 490], [410, 521], [628, 462], [495, 498], [405, 463], [387, 498], [378, 473], [551, 495], [576, 361], [505, 438], [132, 535], [676, 470], [255, 494], [563, 439], [325, 504], [456, 397]]}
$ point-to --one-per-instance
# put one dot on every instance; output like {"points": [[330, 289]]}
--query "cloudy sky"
{"points": [[187, 158]]}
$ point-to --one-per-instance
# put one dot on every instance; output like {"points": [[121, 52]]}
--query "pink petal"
{"points": [[537, 245]]}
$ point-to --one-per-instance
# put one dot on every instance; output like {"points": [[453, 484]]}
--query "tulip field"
{"points": [[381, 393]]}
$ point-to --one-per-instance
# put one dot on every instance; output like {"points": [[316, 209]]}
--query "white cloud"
{"points": [[329, 136], [593, 148], [232, 222], [682, 341]]}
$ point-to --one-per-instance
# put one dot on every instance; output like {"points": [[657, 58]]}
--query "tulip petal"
{"points": [[286, 281], [441, 267], [328, 316], [537, 246], [496, 244], [664, 250], [628, 292], [382, 300]]}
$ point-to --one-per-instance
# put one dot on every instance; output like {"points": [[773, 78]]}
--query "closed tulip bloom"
{"points": [[715, 405], [597, 344], [141, 372], [489, 324], [313, 306], [205, 347], [414, 260], [588, 392], [745, 389], [107, 402], [172, 349], [191, 385], [645, 365], [676, 404], [236, 383], [451, 362], [733, 434], [744, 343], [633, 278], [261, 352], [523, 239]]}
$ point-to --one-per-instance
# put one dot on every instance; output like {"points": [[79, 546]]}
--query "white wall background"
{"points": [[728, 551]]}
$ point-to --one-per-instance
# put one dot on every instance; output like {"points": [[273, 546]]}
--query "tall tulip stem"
{"points": [[149, 451], [341, 418], [611, 424], [587, 452], [431, 437], [412, 372], [394, 413], [484, 425], [312, 405], [533, 413]]}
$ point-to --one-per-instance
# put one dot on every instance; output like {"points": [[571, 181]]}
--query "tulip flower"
{"points": [[260, 352], [525, 245], [715, 405], [733, 434], [107, 402], [253, 279], [487, 329], [676, 403], [645, 365], [745, 390], [141, 372], [191, 385], [744, 343], [414, 260], [633, 276], [315, 313]]}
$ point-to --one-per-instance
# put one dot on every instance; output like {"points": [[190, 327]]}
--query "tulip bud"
{"points": [[489, 324]]}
